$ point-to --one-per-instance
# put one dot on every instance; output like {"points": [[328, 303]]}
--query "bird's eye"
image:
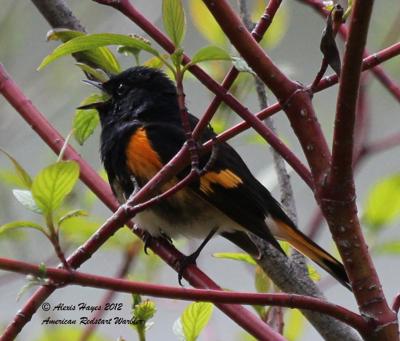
{"points": [[121, 89]]}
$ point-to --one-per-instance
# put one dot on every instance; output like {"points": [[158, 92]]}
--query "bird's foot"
{"points": [[184, 262], [148, 238]]}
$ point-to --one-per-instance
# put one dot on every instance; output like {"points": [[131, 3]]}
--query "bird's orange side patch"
{"points": [[141, 158], [224, 178]]}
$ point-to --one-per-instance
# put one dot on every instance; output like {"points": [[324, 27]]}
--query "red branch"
{"points": [[258, 33], [382, 76], [132, 13], [338, 199], [129, 256], [396, 304], [381, 145], [368, 63], [339, 210], [168, 253], [215, 296], [294, 98]]}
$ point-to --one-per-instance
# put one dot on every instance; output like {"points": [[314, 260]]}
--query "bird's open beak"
{"points": [[96, 84], [95, 105]]}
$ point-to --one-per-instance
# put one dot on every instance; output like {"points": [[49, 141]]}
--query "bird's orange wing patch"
{"points": [[141, 158], [225, 178]]}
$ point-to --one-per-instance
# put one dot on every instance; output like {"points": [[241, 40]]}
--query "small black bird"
{"points": [[142, 131]]}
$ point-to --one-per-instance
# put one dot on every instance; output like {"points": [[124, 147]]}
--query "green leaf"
{"points": [[262, 282], [383, 203], [285, 246], [92, 41], [137, 299], [126, 50], [219, 124], [85, 121], [79, 229], [21, 224], [72, 214], [155, 62], [388, 248], [97, 74], [144, 310], [53, 184], [329, 47], [313, 273], [42, 270], [32, 281], [294, 325], [174, 20], [210, 53], [205, 23], [25, 198], [9, 178], [22, 174], [177, 57], [243, 257], [177, 329], [195, 318], [241, 65], [99, 56], [260, 310], [328, 5], [255, 138]]}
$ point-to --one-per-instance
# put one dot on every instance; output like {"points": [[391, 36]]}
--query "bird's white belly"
{"points": [[204, 219]]}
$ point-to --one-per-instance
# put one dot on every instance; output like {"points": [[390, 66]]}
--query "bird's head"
{"points": [[137, 92]]}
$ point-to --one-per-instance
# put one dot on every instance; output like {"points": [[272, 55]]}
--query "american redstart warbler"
{"points": [[142, 131]]}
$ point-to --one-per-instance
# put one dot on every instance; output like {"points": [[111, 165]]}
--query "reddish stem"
{"points": [[170, 255], [382, 76], [382, 144], [215, 296], [315, 223], [338, 196], [132, 13], [294, 98], [368, 63], [258, 33], [396, 304], [129, 257], [190, 140]]}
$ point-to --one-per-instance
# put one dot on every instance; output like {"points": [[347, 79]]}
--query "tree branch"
{"points": [[132, 13], [129, 256], [294, 98], [168, 253], [338, 202], [206, 295], [58, 14], [379, 72], [258, 32]]}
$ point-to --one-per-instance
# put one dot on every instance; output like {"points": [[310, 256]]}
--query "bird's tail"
{"points": [[313, 251]]}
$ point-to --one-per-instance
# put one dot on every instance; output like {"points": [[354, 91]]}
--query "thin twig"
{"points": [[329, 328], [132, 13], [207, 295], [129, 256], [168, 253], [380, 74], [338, 197]]}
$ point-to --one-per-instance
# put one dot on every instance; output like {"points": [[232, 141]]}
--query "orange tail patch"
{"points": [[313, 251]]}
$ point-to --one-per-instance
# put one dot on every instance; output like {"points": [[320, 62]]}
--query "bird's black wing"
{"points": [[228, 184]]}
